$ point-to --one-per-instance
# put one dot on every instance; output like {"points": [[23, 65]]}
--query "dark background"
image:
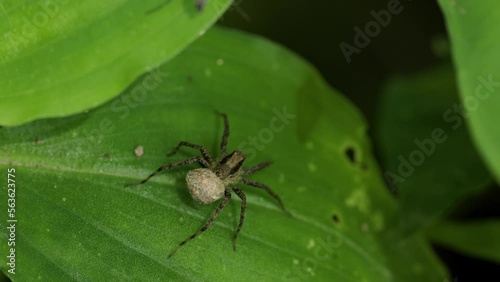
{"points": [[414, 40], [314, 29]]}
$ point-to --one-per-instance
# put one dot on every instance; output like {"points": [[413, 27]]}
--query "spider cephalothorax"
{"points": [[215, 180]]}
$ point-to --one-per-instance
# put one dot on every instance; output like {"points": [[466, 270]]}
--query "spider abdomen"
{"points": [[204, 185]]}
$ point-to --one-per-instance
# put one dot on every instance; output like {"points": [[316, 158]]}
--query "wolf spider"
{"points": [[215, 180]]}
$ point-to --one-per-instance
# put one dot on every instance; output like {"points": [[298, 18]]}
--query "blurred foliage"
{"points": [[419, 135], [478, 238]]}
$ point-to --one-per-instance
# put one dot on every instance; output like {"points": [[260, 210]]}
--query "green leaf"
{"points": [[474, 238], [473, 29], [426, 148], [76, 220], [62, 57]]}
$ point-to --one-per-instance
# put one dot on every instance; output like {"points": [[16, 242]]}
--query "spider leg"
{"points": [[256, 168], [227, 194], [242, 214], [225, 136], [202, 149], [265, 187], [172, 165]]}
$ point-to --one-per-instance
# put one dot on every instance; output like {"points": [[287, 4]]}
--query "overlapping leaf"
{"points": [[476, 238], [424, 141], [63, 57], [473, 29]]}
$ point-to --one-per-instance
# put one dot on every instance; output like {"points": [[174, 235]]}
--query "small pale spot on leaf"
{"points": [[139, 151], [311, 244], [360, 200], [312, 167]]}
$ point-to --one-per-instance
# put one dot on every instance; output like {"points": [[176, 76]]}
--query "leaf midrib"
{"points": [[306, 220]]}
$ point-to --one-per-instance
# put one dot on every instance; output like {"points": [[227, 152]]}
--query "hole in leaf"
{"points": [[336, 218], [351, 154]]}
